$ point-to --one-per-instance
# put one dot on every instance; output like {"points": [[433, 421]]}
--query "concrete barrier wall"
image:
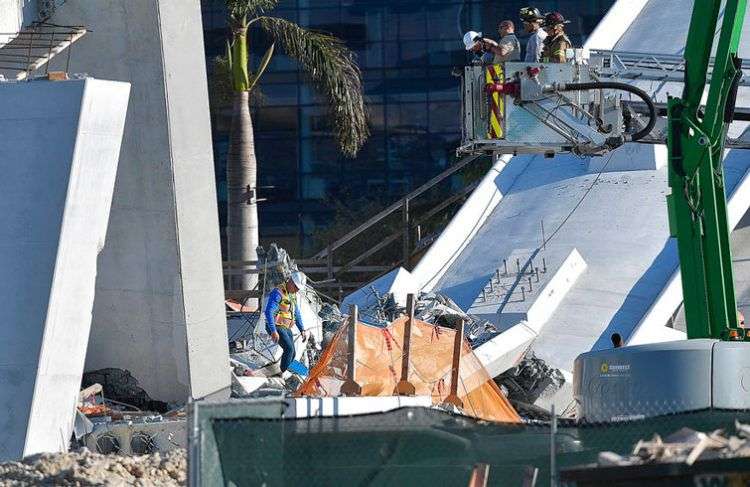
{"points": [[159, 309], [59, 160]]}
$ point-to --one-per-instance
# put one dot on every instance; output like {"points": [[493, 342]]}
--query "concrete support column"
{"points": [[159, 310]]}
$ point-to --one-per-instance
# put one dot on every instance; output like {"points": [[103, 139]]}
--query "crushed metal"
{"points": [[530, 380], [434, 308]]}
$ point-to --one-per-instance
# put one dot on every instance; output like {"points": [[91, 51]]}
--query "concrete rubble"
{"points": [[86, 468], [684, 446]]}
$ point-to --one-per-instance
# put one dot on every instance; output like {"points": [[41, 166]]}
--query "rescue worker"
{"points": [[474, 43], [532, 24], [508, 48], [616, 340], [282, 313], [556, 42]]}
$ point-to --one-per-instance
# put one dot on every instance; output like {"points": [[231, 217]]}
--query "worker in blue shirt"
{"points": [[282, 313]]}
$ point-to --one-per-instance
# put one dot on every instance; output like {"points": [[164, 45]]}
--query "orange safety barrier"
{"points": [[378, 368]]}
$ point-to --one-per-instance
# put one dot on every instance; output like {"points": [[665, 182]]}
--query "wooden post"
{"points": [[457, 345], [405, 222], [404, 387], [350, 386]]}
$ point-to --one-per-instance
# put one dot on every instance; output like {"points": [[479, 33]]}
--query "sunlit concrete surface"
{"points": [[59, 156], [159, 307]]}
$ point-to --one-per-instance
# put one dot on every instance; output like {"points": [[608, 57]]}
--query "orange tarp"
{"points": [[378, 368]]}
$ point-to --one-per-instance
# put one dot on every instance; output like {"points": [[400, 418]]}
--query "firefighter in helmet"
{"points": [[557, 41], [532, 24]]}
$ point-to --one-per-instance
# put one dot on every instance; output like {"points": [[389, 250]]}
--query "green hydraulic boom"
{"points": [[697, 203]]}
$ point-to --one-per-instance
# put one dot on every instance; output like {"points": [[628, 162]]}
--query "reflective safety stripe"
{"points": [[494, 74], [285, 315]]}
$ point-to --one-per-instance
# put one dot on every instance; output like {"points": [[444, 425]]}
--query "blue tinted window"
{"points": [[405, 50]]}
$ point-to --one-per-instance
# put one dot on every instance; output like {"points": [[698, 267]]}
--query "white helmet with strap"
{"points": [[300, 280], [470, 39]]}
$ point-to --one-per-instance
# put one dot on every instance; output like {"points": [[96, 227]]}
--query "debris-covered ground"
{"points": [[255, 369], [685, 445], [86, 468]]}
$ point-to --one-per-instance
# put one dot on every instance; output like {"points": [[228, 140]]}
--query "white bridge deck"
{"points": [[616, 219]]}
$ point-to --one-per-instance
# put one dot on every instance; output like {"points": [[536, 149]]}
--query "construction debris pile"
{"points": [[684, 446], [332, 319], [109, 426], [120, 385], [434, 308], [524, 385], [254, 357], [86, 468], [530, 380]]}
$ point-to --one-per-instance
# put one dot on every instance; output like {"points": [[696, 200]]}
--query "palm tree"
{"points": [[332, 70]]}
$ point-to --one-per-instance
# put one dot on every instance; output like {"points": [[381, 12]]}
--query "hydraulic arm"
{"points": [[697, 203]]}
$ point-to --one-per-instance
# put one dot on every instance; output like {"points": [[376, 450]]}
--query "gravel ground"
{"points": [[83, 468]]}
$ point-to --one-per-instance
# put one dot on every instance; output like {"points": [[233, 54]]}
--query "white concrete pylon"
{"points": [[59, 159]]}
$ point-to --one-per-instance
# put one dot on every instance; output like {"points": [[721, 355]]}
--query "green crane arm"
{"points": [[697, 203]]}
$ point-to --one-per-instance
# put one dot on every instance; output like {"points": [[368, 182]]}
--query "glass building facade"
{"points": [[406, 50]]}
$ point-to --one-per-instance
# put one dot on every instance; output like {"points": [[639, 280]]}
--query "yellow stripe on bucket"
{"points": [[494, 74]]}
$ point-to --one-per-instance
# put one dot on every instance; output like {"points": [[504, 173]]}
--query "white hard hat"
{"points": [[469, 37], [299, 280]]}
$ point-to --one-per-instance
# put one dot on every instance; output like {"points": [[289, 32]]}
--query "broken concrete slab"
{"points": [[398, 282]]}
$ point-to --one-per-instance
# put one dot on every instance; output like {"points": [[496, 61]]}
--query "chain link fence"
{"points": [[251, 443]]}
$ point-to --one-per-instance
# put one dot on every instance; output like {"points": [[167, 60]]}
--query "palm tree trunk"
{"points": [[242, 215]]}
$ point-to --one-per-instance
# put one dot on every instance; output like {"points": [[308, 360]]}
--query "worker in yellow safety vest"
{"points": [[283, 313]]}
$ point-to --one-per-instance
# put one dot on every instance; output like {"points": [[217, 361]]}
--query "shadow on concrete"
{"points": [[641, 296]]}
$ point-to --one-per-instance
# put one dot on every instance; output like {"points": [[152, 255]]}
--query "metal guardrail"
{"points": [[317, 272], [410, 235], [328, 273], [35, 46], [656, 67]]}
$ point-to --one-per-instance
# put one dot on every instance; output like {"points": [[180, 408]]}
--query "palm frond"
{"points": [[333, 71], [254, 78], [239, 9]]}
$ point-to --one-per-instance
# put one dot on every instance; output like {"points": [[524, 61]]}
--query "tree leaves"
{"points": [[332, 69], [241, 9]]}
